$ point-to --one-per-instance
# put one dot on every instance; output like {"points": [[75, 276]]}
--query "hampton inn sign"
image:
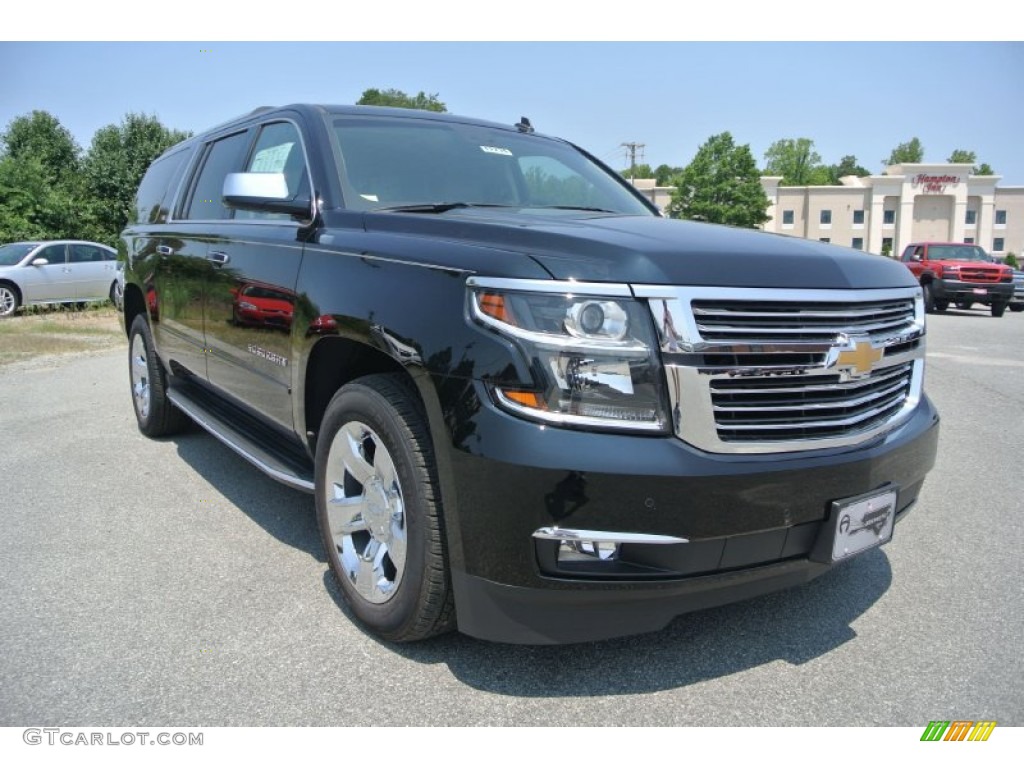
{"points": [[934, 184]]}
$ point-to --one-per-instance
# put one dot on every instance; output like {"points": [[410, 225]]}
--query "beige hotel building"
{"points": [[909, 203]]}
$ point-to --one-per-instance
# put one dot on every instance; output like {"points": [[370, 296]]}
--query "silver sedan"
{"points": [[55, 272]]}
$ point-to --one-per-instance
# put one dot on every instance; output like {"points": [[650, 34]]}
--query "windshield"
{"points": [[389, 163], [15, 252], [957, 253]]}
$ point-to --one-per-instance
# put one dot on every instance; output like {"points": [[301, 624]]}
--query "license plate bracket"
{"points": [[856, 524]]}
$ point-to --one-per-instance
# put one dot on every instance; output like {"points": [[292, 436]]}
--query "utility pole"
{"points": [[632, 147]]}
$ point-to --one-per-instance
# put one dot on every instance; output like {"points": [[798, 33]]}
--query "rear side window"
{"points": [[223, 157], [157, 189]]}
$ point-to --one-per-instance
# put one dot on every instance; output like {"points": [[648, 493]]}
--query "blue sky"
{"points": [[849, 98]]}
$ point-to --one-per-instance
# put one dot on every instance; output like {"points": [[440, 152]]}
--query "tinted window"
{"points": [[787, 217], [393, 162], [157, 189], [223, 157], [858, 216], [55, 254]]}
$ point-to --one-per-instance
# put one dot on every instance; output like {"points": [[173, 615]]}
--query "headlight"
{"points": [[593, 358]]}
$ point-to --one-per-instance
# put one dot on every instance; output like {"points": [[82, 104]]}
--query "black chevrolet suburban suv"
{"points": [[528, 406]]}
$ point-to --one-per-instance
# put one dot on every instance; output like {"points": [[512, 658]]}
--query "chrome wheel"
{"points": [[366, 512], [140, 376], [8, 301]]}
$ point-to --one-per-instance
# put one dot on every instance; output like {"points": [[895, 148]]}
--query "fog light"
{"points": [[577, 551]]}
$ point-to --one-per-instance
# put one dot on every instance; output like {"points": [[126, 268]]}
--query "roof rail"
{"points": [[257, 111]]}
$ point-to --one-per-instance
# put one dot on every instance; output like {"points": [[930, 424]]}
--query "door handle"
{"points": [[218, 257], [164, 250]]}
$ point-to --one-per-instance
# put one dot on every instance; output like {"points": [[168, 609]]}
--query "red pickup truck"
{"points": [[959, 272]]}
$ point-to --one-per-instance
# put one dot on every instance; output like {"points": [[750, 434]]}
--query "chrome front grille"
{"points": [[804, 408], [765, 370], [743, 320]]}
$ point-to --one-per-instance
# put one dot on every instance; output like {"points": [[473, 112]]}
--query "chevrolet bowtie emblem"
{"points": [[860, 359]]}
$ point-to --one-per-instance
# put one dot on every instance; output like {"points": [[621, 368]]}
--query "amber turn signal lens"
{"points": [[529, 399], [493, 305]]}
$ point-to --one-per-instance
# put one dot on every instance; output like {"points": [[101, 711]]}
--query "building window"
{"points": [[1001, 218], [887, 245], [825, 239], [972, 218], [858, 216], [826, 217], [969, 240], [787, 218], [997, 244], [858, 243], [889, 216]]}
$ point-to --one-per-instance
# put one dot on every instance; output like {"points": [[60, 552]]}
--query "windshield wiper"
{"points": [[573, 208], [439, 207]]}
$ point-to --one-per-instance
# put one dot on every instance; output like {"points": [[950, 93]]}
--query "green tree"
{"points": [[847, 166], [114, 165], [907, 152], [665, 175], [393, 97], [966, 156], [638, 171], [39, 181], [1011, 260], [962, 156], [42, 137], [721, 185], [795, 161]]}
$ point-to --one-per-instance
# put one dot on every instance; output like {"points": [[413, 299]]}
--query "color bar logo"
{"points": [[958, 730]]}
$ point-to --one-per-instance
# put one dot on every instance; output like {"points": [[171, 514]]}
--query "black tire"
{"points": [[964, 304], [929, 299], [1016, 307], [998, 308], [154, 412], [941, 305], [115, 294], [10, 299], [394, 516]]}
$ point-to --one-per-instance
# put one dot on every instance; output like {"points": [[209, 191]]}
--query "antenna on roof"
{"points": [[524, 125]]}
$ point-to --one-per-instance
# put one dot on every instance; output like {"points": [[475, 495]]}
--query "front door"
{"points": [[48, 282]]}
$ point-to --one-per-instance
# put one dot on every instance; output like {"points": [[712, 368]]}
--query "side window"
{"points": [[85, 253], [278, 150], [223, 157], [157, 189], [55, 254]]}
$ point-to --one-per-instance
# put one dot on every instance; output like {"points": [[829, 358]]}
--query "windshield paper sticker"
{"points": [[497, 150]]}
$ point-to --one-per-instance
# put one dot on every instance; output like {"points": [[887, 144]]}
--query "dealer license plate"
{"points": [[863, 522], [980, 291]]}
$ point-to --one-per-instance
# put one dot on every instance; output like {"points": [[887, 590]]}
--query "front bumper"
{"points": [[984, 293], [752, 522]]}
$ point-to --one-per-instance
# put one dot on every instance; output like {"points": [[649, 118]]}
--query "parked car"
{"points": [[528, 406], [1017, 303], [959, 272], [55, 272]]}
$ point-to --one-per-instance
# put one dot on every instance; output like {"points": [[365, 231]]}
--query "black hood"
{"points": [[648, 249]]}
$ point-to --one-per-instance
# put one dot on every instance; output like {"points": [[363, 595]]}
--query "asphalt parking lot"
{"points": [[156, 582]]}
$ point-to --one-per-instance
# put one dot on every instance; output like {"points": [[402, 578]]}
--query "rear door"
{"points": [[91, 269], [182, 270]]}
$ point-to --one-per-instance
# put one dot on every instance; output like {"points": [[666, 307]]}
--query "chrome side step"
{"points": [[278, 467]]}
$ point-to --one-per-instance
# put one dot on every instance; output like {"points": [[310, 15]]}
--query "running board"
{"points": [[281, 466]]}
